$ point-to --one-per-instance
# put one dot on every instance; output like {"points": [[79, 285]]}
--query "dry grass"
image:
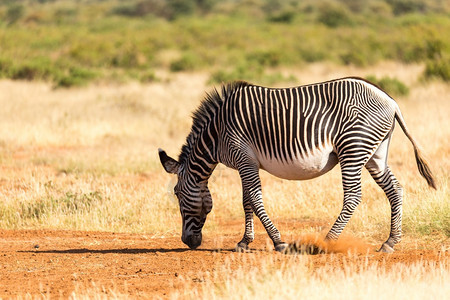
{"points": [[86, 159], [298, 278], [97, 147]]}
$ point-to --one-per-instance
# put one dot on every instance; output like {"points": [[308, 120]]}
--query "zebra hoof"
{"points": [[386, 249], [282, 248], [241, 247]]}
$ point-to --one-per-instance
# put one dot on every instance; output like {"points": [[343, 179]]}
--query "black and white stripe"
{"points": [[293, 133]]}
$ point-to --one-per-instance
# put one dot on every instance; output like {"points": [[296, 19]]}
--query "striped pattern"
{"points": [[294, 133]]}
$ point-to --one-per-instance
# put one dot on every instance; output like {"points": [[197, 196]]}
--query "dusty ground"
{"points": [[57, 263]]}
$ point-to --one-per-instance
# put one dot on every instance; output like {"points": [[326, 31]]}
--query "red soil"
{"points": [[57, 263]]}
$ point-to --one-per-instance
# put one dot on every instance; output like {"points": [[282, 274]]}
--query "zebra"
{"points": [[294, 133]]}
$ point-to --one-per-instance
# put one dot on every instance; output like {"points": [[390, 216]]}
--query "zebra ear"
{"points": [[169, 164]]}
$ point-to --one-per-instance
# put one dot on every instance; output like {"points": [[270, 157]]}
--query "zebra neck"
{"points": [[201, 152], [200, 166]]}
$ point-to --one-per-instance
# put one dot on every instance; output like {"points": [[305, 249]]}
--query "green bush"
{"points": [[392, 86], [269, 58], [187, 62], [74, 76], [128, 10], [248, 72], [96, 37], [438, 68], [287, 16], [42, 68], [407, 6], [334, 15], [142, 8], [128, 56], [168, 9], [5, 67], [238, 73], [181, 7], [39, 68], [356, 6], [14, 13], [354, 58]]}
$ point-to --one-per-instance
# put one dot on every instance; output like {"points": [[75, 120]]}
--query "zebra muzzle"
{"points": [[193, 241]]}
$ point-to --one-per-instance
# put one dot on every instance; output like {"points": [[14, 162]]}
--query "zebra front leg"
{"points": [[351, 182], [249, 233], [251, 185]]}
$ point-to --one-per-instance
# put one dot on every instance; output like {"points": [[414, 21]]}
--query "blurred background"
{"points": [[76, 42]]}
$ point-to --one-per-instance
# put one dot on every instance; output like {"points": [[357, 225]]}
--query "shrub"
{"points": [[251, 73], [407, 6], [246, 71], [39, 68], [434, 48], [168, 9], [356, 6], [390, 85], [129, 10], [437, 63], [14, 13], [270, 58], [181, 7], [147, 76], [282, 17], [438, 68], [187, 62], [127, 56], [73, 76], [5, 67], [381, 9], [356, 58], [333, 15]]}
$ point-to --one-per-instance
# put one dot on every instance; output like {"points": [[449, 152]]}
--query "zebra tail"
{"points": [[422, 163]]}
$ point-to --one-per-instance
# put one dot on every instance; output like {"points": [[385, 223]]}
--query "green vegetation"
{"points": [[392, 86], [438, 68], [72, 42]]}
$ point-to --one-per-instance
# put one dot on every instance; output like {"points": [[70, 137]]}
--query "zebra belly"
{"points": [[301, 167]]}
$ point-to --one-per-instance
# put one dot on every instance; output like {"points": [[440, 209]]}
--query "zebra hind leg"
{"points": [[380, 172], [394, 192], [351, 181]]}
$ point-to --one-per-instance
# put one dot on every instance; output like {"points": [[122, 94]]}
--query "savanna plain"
{"points": [[87, 211]]}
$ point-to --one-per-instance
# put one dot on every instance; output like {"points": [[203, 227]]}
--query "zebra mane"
{"points": [[205, 112]]}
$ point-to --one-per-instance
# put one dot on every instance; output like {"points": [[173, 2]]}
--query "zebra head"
{"points": [[194, 199]]}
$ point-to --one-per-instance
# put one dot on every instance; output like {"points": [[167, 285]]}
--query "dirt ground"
{"points": [[57, 263]]}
